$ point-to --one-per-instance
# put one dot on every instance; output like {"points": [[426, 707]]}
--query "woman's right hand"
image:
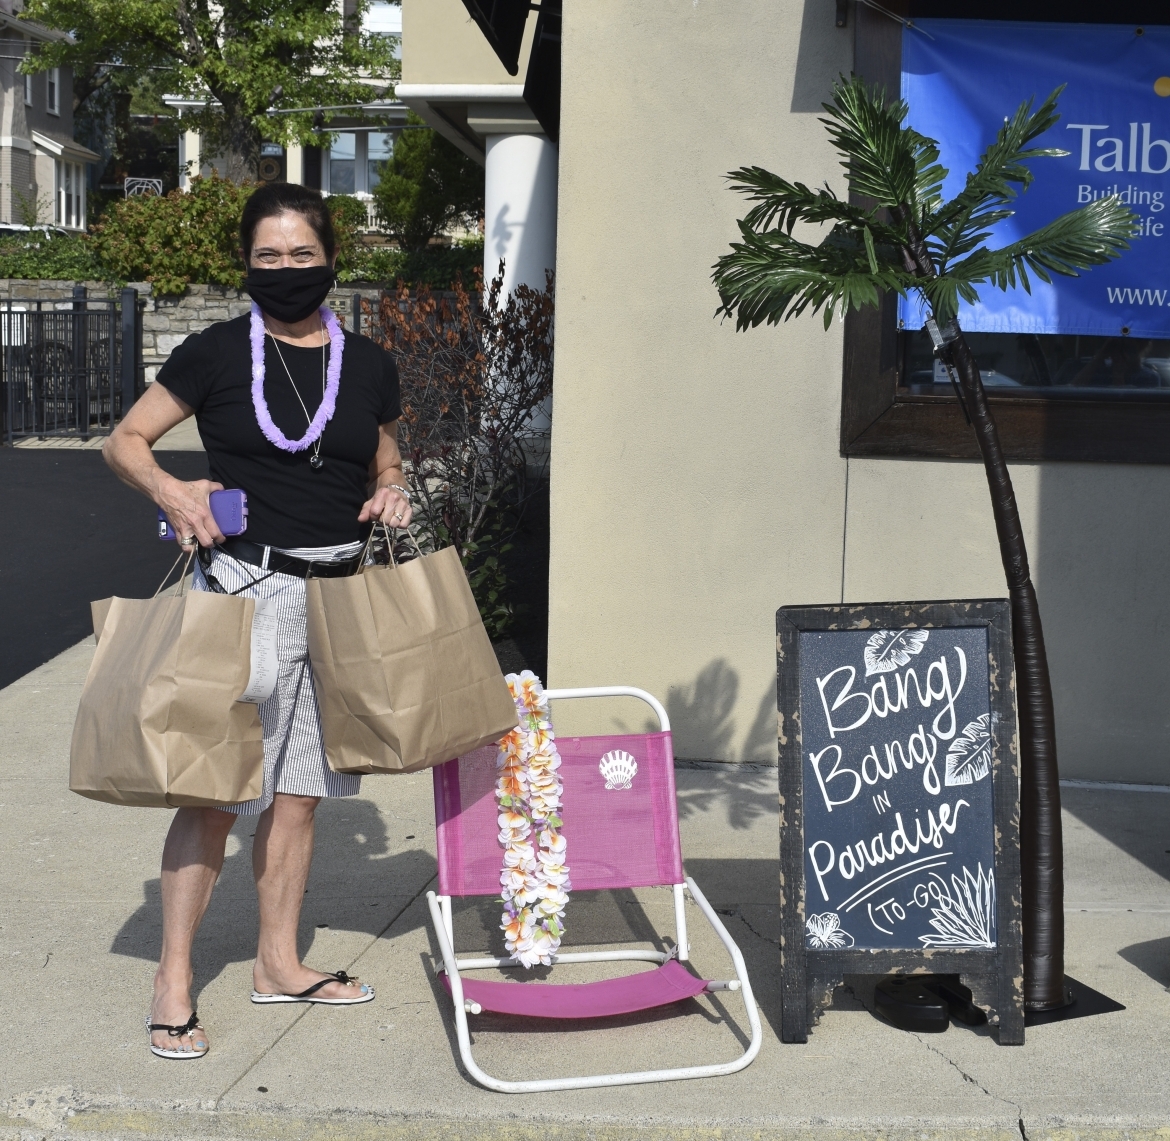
{"points": [[188, 508]]}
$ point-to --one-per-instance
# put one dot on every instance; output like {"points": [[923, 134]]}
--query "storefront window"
{"points": [[342, 160], [1055, 366], [1055, 396], [381, 149]]}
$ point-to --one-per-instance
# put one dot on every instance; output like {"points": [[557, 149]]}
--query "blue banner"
{"points": [[961, 78]]}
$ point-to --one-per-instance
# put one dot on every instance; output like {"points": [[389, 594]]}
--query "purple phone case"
{"points": [[229, 508]]}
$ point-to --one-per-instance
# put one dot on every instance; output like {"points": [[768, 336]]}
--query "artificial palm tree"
{"points": [[897, 233]]}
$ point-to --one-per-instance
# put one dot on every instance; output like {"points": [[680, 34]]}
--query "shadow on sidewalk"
{"points": [[1135, 822], [746, 795], [1152, 958], [356, 884]]}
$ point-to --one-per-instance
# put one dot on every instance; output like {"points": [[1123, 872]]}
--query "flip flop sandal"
{"points": [[310, 995], [192, 1023]]}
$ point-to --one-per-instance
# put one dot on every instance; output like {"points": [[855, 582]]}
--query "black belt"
{"points": [[253, 553]]}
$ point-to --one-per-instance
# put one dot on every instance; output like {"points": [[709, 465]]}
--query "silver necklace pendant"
{"points": [[316, 462]]}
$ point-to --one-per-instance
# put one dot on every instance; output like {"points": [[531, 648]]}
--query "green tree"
{"points": [[427, 187], [897, 233], [243, 56]]}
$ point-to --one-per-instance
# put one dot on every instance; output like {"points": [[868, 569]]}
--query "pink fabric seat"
{"points": [[671, 982], [618, 837], [621, 827]]}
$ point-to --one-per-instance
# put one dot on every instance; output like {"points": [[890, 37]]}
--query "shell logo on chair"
{"points": [[619, 769], [535, 880]]}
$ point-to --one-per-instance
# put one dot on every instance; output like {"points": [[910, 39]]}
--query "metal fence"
{"points": [[69, 368]]}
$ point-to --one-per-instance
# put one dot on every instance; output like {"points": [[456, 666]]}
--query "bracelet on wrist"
{"points": [[398, 487]]}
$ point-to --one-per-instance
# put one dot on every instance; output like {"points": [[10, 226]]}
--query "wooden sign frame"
{"points": [[994, 975]]}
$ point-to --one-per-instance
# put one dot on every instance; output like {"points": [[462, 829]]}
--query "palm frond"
{"points": [[892, 164], [782, 204], [769, 276], [772, 276], [1091, 235], [961, 225]]}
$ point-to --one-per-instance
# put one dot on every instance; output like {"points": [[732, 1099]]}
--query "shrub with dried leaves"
{"points": [[476, 374]]}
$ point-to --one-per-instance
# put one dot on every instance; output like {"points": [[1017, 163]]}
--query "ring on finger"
{"points": [[189, 541]]}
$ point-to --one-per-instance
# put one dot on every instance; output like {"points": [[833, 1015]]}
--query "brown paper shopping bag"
{"points": [[406, 677], [160, 724]]}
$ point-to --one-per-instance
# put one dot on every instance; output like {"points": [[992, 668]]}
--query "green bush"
{"points": [[41, 255], [178, 238], [436, 267], [192, 237], [349, 220]]}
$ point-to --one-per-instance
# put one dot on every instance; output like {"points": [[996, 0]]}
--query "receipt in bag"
{"points": [[265, 665]]}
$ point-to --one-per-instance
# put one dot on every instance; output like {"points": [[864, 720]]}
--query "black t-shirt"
{"points": [[289, 504]]}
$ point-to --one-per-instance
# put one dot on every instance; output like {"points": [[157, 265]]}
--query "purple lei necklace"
{"points": [[328, 402]]}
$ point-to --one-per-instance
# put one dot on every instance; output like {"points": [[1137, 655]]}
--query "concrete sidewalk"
{"points": [[79, 930]]}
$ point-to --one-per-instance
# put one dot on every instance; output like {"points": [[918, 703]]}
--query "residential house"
{"points": [[361, 137], [42, 168]]}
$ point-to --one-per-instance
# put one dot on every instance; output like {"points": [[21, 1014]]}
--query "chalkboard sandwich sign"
{"points": [[899, 802]]}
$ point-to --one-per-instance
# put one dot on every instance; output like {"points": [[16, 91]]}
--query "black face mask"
{"points": [[290, 293]]}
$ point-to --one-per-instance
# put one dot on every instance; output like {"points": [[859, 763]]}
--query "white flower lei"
{"points": [[535, 879]]}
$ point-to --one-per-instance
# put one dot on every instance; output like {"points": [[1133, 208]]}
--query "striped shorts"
{"points": [[294, 754]]}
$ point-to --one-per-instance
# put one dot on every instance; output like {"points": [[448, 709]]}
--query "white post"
{"points": [[520, 209], [190, 157], [294, 163], [520, 226]]}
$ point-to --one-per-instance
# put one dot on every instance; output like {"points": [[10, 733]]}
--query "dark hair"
{"points": [[275, 198]]}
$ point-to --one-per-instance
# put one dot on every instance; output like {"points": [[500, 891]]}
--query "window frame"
{"points": [[360, 165], [878, 421], [28, 89], [370, 186], [69, 200], [53, 91]]}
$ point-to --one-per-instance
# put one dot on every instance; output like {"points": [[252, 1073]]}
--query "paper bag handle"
{"points": [[361, 561], [188, 555]]}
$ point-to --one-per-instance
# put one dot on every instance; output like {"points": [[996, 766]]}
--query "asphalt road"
{"points": [[71, 533]]}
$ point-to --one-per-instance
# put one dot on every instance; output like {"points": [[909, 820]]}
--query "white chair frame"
{"points": [[441, 919]]}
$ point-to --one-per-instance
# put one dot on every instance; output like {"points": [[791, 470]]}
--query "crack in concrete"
{"points": [[737, 914], [309, 1006], [975, 1082]]}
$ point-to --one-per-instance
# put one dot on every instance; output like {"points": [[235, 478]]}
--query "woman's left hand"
{"points": [[389, 506]]}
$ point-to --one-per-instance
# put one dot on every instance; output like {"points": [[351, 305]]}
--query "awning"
{"points": [[32, 29], [65, 148]]}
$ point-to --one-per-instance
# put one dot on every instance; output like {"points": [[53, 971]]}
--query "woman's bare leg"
{"points": [[191, 863], [281, 855]]}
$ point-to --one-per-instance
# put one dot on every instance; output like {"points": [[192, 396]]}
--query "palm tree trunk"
{"points": [[1041, 843]]}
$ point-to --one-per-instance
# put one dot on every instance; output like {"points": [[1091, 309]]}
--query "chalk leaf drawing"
{"points": [[888, 650], [824, 931], [969, 757], [965, 918]]}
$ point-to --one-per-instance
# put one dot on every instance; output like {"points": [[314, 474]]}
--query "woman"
{"points": [[303, 417]]}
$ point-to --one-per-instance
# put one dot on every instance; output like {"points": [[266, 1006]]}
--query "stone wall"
{"points": [[168, 321]]}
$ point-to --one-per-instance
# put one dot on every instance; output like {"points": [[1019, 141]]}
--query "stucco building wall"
{"points": [[697, 480], [441, 43]]}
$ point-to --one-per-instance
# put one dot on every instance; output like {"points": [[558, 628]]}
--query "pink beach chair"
{"points": [[621, 836]]}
